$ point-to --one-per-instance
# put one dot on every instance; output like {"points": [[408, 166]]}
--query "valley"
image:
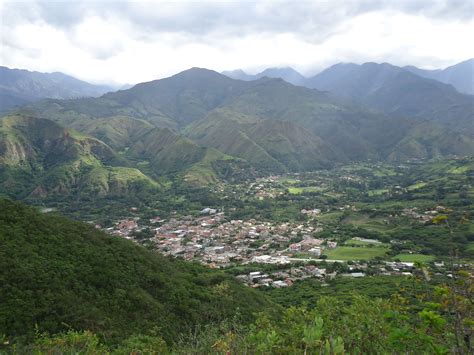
{"points": [[236, 177], [239, 211], [371, 218]]}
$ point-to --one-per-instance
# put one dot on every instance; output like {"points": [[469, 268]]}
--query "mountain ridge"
{"points": [[398, 92], [20, 86], [460, 75]]}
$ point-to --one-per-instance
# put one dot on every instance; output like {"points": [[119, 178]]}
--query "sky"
{"points": [[118, 42]]}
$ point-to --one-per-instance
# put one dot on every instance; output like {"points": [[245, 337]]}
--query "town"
{"points": [[291, 251], [356, 221]]}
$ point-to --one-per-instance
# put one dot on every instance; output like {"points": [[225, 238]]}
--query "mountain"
{"points": [[18, 87], [288, 74], [172, 102], [239, 74], [39, 158], [266, 122], [271, 145], [58, 274], [398, 92], [460, 75]]}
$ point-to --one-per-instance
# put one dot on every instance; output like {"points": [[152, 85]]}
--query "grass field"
{"points": [[460, 170], [330, 217], [350, 253], [363, 243], [416, 186], [300, 190], [411, 258], [371, 224]]}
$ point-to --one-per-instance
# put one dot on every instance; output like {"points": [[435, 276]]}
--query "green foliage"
{"points": [[69, 288], [69, 343], [58, 275]]}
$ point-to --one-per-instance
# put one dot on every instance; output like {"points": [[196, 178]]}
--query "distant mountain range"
{"points": [[18, 87], [198, 127], [398, 92], [460, 76], [288, 74]]}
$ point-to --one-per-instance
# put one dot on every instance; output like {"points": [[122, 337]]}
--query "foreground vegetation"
{"points": [[58, 275], [68, 288]]}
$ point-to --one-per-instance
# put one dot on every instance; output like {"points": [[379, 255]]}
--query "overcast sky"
{"points": [[130, 42]]}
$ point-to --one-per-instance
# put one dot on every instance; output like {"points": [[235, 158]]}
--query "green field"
{"points": [[300, 190], [361, 242], [289, 181], [351, 253], [416, 186], [411, 258], [460, 170], [363, 220], [330, 217]]}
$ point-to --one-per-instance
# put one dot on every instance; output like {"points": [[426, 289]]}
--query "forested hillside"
{"points": [[57, 275]]}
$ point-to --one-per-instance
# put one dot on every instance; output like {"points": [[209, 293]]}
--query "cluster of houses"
{"points": [[425, 216], [283, 278], [288, 276], [212, 239], [125, 227], [311, 213], [312, 246], [266, 187]]}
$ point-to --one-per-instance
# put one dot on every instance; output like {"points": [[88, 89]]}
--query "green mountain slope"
{"points": [[397, 91], [184, 97], [349, 131], [268, 122], [460, 75], [39, 158], [270, 145], [427, 141], [172, 102], [166, 151], [58, 275], [119, 132]]}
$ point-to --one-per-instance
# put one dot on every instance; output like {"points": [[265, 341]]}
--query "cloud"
{"points": [[103, 41]]}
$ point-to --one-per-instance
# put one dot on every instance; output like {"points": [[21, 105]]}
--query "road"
{"points": [[317, 260]]}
